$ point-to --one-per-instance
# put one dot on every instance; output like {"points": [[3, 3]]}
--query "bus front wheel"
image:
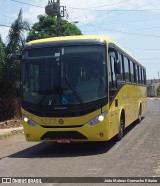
{"points": [[121, 130]]}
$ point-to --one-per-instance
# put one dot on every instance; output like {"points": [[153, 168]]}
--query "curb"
{"points": [[153, 98], [11, 133]]}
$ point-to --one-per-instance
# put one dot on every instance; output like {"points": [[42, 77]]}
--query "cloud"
{"points": [[82, 11]]}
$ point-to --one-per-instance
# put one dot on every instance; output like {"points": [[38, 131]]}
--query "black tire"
{"points": [[138, 121], [121, 130]]}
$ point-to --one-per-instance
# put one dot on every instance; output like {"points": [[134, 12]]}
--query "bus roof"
{"points": [[65, 38], [81, 37]]}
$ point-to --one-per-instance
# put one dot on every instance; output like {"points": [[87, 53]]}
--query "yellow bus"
{"points": [[80, 88]]}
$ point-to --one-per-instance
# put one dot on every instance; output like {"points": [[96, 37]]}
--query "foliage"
{"points": [[158, 90], [8, 95], [15, 36], [2, 59], [47, 27], [15, 44], [9, 70]]}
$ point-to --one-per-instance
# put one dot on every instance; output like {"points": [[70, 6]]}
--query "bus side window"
{"points": [[136, 73], [132, 70], [112, 73], [144, 73], [126, 68], [121, 77], [140, 75]]}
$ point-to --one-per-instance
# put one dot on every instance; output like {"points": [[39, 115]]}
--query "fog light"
{"points": [[101, 134], [28, 135]]}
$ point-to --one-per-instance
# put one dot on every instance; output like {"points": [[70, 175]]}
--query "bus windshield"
{"points": [[64, 75]]}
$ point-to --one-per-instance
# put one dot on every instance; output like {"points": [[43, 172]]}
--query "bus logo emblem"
{"points": [[61, 121]]}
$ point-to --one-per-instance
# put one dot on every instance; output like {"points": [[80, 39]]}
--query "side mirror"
{"points": [[117, 67]]}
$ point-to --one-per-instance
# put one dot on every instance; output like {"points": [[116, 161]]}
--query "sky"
{"points": [[135, 25]]}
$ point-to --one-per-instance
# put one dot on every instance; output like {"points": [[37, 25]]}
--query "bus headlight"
{"points": [[97, 119], [29, 121]]}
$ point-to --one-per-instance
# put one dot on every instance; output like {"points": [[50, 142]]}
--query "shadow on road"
{"points": [[52, 150], [133, 125]]}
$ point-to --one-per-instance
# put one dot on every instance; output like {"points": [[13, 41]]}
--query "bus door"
{"points": [[113, 91]]}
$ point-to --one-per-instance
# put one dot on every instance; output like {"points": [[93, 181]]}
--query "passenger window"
{"points": [[112, 76], [144, 73], [126, 68], [121, 77], [136, 73], [132, 72], [140, 75]]}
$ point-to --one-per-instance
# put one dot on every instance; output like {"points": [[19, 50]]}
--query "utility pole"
{"points": [[54, 9], [58, 21]]}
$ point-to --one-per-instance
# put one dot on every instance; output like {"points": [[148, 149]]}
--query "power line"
{"points": [[148, 28], [91, 8], [110, 4], [135, 21], [116, 10], [124, 10], [144, 49], [27, 4], [128, 11], [121, 31], [4, 25], [148, 59], [7, 16]]}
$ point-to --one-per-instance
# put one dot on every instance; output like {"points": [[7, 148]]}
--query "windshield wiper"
{"points": [[74, 91]]}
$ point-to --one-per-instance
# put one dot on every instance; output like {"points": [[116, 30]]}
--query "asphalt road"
{"points": [[137, 154]]}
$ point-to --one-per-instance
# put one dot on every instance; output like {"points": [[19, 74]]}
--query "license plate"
{"points": [[63, 140]]}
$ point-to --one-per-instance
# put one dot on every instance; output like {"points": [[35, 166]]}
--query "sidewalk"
{"points": [[154, 98], [8, 129], [6, 133]]}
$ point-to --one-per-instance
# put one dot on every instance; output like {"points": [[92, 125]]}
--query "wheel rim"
{"points": [[121, 131], [140, 115]]}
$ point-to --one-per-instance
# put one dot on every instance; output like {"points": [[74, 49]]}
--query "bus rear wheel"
{"points": [[121, 130], [139, 115]]}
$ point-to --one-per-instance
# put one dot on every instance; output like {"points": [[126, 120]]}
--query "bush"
{"points": [[8, 97]]}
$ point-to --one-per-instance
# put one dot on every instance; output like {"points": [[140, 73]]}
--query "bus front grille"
{"points": [[72, 126], [52, 135]]}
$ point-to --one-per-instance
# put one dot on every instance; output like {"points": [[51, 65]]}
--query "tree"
{"points": [[2, 60], [47, 27], [15, 44], [15, 37], [8, 91]]}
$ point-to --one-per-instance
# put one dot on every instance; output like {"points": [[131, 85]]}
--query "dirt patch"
{"points": [[10, 124], [12, 133]]}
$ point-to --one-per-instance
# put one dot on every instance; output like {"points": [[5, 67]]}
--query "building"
{"points": [[152, 86]]}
